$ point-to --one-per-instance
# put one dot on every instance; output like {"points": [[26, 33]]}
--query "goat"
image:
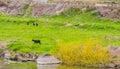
{"points": [[36, 41]]}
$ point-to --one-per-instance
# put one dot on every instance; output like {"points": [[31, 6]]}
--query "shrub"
{"points": [[83, 53], [25, 7]]}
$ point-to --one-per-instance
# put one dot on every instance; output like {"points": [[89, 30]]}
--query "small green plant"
{"points": [[25, 7]]}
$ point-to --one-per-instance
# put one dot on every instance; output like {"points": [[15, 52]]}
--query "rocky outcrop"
{"points": [[12, 8], [36, 9], [69, 25], [30, 8], [24, 57], [19, 57], [3, 45], [47, 9], [115, 53], [47, 59], [110, 13], [113, 64], [3, 4], [44, 59]]}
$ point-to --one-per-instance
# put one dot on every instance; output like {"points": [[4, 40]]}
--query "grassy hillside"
{"points": [[52, 29]]}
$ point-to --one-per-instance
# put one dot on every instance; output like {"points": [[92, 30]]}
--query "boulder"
{"points": [[114, 51], [3, 53], [109, 13], [47, 59], [110, 65], [3, 9], [68, 25], [3, 45], [7, 54], [113, 64], [22, 57], [3, 3], [83, 10], [80, 25], [117, 63]]}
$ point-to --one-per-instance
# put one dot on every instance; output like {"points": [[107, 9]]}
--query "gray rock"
{"points": [[24, 57], [110, 65], [21, 59], [114, 51], [118, 66], [84, 10], [1, 52], [113, 64], [7, 54], [46, 59], [117, 63], [45, 55], [68, 25], [3, 9], [3, 45]]}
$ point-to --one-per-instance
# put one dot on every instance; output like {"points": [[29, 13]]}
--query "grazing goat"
{"points": [[27, 23], [35, 24], [36, 41]]}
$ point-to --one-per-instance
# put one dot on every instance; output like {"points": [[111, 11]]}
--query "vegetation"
{"points": [[83, 53], [52, 29]]}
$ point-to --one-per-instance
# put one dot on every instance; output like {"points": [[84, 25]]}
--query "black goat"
{"points": [[36, 41], [35, 24], [27, 23]]}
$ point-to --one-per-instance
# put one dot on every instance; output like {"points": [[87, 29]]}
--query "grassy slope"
{"points": [[52, 28]]}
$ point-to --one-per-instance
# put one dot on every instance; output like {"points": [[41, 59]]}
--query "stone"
{"points": [[1, 53], [23, 57], [84, 10], [3, 9], [80, 25], [110, 65], [117, 63], [69, 25], [118, 66], [3, 3], [113, 64], [3, 45], [114, 51], [109, 13], [7, 54], [47, 59]]}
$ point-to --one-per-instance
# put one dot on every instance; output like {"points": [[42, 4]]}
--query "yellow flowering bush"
{"points": [[83, 53]]}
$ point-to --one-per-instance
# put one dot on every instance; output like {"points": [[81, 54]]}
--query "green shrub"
{"points": [[25, 7]]}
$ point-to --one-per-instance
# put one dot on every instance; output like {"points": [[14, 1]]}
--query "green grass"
{"points": [[52, 29]]}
